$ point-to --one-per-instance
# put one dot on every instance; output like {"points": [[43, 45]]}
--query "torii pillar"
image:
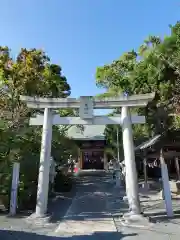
{"points": [[130, 163], [86, 106]]}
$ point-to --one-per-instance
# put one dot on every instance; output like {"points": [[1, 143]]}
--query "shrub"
{"points": [[27, 197], [62, 182]]}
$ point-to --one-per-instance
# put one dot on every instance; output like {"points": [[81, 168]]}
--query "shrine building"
{"points": [[91, 144]]}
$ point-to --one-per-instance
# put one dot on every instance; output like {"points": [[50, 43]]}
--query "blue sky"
{"points": [[81, 35]]}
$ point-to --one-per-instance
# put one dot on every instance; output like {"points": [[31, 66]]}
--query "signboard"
{"points": [[86, 108]]}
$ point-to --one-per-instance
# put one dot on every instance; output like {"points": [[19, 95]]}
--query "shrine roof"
{"points": [[148, 143], [169, 142], [88, 132]]}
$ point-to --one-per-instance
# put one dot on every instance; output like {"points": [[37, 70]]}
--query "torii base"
{"points": [[38, 219], [135, 220]]}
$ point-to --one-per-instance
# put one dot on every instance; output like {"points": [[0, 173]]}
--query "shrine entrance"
{"points": [[91, 143], [92, 155], [92, 159], [86, 106]]}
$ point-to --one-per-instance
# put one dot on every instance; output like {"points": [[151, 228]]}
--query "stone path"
{"points": [[94, 213], [88, 216]]}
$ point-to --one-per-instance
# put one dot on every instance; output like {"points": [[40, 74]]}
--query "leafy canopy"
{"points": [[31, 73], [154, 67]]}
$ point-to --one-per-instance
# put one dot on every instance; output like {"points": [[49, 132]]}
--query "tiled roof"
{"points": [[148, 143]]}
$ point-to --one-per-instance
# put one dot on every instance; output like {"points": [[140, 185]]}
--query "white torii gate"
{"points": [[86, 105]]}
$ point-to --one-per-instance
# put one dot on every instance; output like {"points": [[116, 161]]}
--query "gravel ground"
{"points": [[154, 208]]}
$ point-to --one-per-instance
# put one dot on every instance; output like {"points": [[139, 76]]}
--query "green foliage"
{"points": [[155, 67], [62, 182], [32, 74]]}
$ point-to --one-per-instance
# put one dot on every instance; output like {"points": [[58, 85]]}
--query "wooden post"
{"points": [[166, 186], [81, 160], [105, 161], [162, 162], [177, 168], [145, 170]]}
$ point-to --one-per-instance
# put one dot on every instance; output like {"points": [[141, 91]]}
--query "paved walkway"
{"points": [[96, 209], [88, 216], [93, 214]]}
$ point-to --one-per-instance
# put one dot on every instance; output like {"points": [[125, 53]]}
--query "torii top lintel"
{"points": [[140, 100]]}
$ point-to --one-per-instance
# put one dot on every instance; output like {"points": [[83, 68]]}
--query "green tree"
{"points": [[32, 74], [153, 68]]}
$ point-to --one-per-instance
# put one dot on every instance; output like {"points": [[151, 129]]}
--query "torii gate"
{"points": [[86, 105]]}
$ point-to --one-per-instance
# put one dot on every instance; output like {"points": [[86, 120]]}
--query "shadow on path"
{"points": [[57, 207], [17, 235]]}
